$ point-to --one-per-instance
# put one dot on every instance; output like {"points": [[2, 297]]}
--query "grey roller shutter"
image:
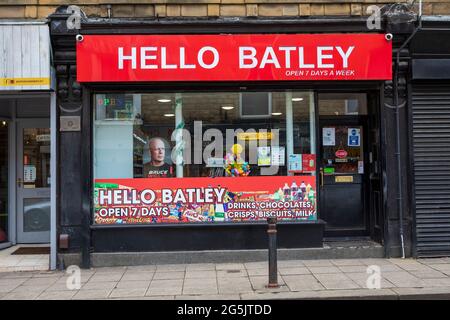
{"points": [[431, 158]]}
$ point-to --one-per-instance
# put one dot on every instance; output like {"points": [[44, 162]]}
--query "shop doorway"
{"points": [[349, 176], [4, 171], [343, 177], [33, 180]]}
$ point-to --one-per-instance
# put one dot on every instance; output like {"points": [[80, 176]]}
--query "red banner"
{"points": [[247, 57], [173, 200]]}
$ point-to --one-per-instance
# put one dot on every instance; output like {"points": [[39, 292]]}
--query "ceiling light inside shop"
{"points": [[228, 107], [276, 113], [164, 100], [297, 99], [169, 115]]}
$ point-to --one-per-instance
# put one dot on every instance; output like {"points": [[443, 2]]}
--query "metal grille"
{"points": [[431, 154]]}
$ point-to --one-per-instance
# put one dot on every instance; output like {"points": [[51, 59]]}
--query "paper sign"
{"points": [[360, 167], [354, 137], [309, 162], [295, 163], [328, 136], [29, 173], [264, 156], [278, 156]]}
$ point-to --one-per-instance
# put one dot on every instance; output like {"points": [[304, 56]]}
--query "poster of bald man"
{"points": [[158, 165]]}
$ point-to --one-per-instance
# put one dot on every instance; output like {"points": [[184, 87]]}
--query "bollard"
{"points": [[273, 272]]}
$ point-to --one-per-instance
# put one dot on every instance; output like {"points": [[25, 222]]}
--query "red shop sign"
{"points": [[245, 57], [341, 154]]}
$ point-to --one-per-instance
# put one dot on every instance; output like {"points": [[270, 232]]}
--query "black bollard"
{"points": [[273, 272]]}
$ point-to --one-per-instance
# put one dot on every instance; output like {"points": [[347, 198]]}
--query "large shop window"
{"points": [[204, 157]]}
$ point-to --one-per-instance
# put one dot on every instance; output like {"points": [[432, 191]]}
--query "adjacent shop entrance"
{"points": [[25, 169], [348, 166], [33, 181]]}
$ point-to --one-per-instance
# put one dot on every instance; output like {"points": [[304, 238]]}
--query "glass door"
{"points": [[33, 181], [342, 178], [4, 172]]}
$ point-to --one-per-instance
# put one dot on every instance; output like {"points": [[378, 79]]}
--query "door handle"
{"points": [[19, 183], [321, 178]]}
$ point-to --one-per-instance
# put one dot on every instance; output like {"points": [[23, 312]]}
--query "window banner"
{"points": [[172, 200], [233, 57]]}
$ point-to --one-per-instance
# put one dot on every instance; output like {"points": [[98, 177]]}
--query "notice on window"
{"points": [[278, 154], [295, 163], [29, 173], [329, 136], [354, 137], [264, 156]]}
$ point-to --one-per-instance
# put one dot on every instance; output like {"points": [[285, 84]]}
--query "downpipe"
{"points": [[398, 142]]}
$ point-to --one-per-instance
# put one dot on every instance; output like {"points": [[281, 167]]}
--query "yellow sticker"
{"points": [[343, 179], [254, 136], [12, 82]]}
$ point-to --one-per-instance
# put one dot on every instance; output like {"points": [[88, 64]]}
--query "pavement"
{"points": [[28, 262], [298, 279]]}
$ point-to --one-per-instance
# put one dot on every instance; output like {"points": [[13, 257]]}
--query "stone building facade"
{"points": [[38, 9]]}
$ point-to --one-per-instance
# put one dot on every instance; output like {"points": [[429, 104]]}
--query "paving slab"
{"points": [[234, 285], [317, 263], [433, 274], [110, 270], [436, 282], [302, 283], [232, 273], [319, 270], [295, 270], [40, 281], [163, 275], [258, 265], [25, 295], [200, 274], [229, 266], [133, 284], [99, 285], [125, 293], [205, 286], [201, 267], [106, 277], [441, 267], [146, 268], [171, 267], [138, 276], [35, 288], [92, 294], [347, 262], [353, 269], [423, 293], [57, 295], [165, 287], [289, 263], [59, 287], [403, 279]]}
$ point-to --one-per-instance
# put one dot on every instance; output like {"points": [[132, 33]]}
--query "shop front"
{"points": [[189, 141], [27, 207]]}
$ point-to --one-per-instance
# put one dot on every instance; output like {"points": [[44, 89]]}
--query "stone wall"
{"points": [[38, 9]]}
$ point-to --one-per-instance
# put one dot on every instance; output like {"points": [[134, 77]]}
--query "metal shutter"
{"points": [[431, 156]]}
